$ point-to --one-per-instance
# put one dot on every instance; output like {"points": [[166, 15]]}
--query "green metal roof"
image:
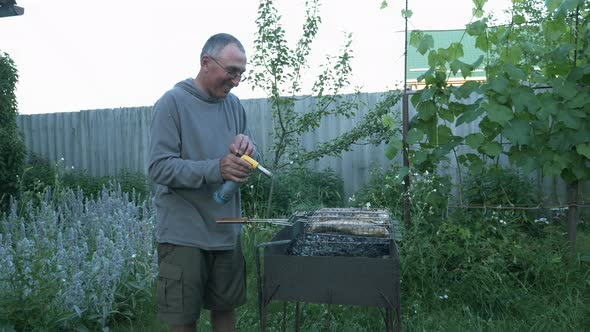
{"points": [[418, 63]]}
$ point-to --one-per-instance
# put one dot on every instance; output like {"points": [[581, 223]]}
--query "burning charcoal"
{"points": [[339, 246]]}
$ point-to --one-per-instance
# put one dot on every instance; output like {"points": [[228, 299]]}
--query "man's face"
{"points": [[224, 71]]}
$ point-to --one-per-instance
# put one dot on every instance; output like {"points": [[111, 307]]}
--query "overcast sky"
{"points": [[77, 54]]}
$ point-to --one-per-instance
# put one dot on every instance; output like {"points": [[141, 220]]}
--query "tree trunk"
{"points": [[572, 214]]}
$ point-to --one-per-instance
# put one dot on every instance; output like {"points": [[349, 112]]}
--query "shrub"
{"points": [[496, 185], [71, 262], [131, 182], [296, 189], [38, 173], [12, 148], [428, 192], [490, 265], [508, 190]]}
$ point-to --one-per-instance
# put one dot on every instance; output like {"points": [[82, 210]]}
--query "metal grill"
{"points": [[357, 245]]}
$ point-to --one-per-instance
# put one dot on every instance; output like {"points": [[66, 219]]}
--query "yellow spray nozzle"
{"points": [[256, 165]]}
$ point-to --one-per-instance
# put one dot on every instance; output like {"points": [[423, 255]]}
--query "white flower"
{"points": [[62, 159], [368, 205], [542, 220], [502, 222]]}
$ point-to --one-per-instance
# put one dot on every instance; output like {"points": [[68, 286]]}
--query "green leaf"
{"points": [[554, 29], [448, 114], [427, 75], [471, 114], [482, 43], [466, 89], [425, 44], [511, 54], [474, 140], [455, 51], [499, 113], [455, 66], [492, 149], [402, 174], [394, 145], [444, 135], [569, 118], [518, 19], [523, 98], [477, 63], [551, 169], [514, 72], [499, 84], [568, 5], [552, 5], [478, 7], [383, 4], [466, 70], [517, 131], [476, 28], [426, 109], [584, 150], [415, 37], [414, 135], [388, 121], [426, 93], [521, 156], [407, 13], [417, 157], [549, 106]]}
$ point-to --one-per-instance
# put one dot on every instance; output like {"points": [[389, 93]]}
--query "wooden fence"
{"points": [[105, 141]]}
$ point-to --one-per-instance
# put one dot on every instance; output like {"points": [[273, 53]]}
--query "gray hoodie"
{"points": [[190, 133]]}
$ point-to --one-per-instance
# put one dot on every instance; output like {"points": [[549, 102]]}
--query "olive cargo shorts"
{"points": [[191, 278]]}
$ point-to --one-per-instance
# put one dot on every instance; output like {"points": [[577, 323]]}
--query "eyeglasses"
{"points": [[232, 74]]}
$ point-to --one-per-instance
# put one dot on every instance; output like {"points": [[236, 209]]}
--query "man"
{"points": [[198, 129]]}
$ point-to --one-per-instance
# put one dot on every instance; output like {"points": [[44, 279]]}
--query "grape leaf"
{"points": [[584, 150], [499, 113], [517, 131], [474, 140]]}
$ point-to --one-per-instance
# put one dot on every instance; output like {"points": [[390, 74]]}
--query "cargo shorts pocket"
{"points": [[170, 288]]}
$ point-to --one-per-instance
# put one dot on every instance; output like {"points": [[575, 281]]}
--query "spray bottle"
{"points": [[229, 188]]}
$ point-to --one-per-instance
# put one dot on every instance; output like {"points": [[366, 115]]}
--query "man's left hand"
{"points": [[242, 145]]}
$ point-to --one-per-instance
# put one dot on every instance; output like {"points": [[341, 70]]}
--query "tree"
{"points": [[12, 148], [536, 96], [278, 70]]}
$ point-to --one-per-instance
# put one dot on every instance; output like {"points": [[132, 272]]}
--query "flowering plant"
{"points": [[69, 261]]}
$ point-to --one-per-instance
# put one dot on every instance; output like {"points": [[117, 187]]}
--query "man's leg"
{"points": [[182, 273], [223, 320]]}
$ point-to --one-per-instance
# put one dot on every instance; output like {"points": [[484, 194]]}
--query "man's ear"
{"points": [[204, 61]]}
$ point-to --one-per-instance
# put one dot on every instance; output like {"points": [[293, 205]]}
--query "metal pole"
{"points": [[405, 127]]}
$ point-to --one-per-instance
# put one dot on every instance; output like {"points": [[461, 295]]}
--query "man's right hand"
{"points": [[234, 168]]}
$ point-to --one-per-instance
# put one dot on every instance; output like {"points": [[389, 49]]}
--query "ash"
{"points": [[322, 244]]}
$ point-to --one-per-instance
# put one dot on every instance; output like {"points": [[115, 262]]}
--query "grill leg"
{"points": [[329, 317], [284, 323], [263, 318], [398, 318], [297, 312], [388, 320]]}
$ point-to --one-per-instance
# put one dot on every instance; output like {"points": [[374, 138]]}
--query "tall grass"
{"points": [[462, 270]]}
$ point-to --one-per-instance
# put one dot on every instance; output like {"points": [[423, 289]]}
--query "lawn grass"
{"points": [[536, 310]]}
